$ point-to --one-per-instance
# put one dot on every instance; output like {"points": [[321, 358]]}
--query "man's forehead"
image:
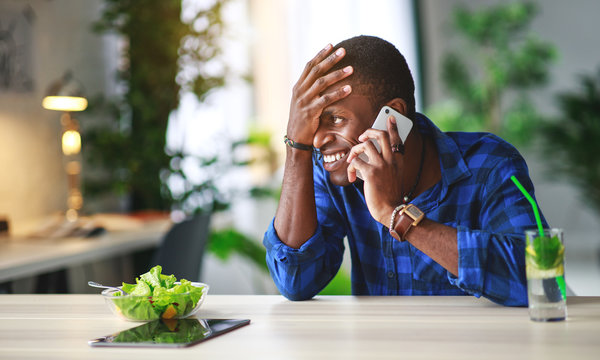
{"points": [[359, 88], [352, 104]]}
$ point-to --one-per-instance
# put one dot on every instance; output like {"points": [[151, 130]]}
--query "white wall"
{"points": [[573, 28], [32, 180]]}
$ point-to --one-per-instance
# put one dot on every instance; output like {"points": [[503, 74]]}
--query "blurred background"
{"points": [[187, 103]]}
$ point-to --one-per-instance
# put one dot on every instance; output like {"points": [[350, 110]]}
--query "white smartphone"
{"points": [[403, 124]]}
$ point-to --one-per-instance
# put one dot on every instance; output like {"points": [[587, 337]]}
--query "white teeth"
{"points": [[334, 157]]}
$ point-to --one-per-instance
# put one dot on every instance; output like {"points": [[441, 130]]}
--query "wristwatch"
{"points": [[408, 217]]}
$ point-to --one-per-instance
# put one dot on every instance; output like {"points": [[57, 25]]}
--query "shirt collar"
{"points": [[453, 166]]}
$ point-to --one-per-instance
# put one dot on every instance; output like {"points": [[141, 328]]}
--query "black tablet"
{"points": [[170, 333]]}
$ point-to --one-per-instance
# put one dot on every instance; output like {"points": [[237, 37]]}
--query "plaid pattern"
{"points": [[475, 196]]}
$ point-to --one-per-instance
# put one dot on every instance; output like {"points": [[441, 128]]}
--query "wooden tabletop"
{"points": [[328, 327]]}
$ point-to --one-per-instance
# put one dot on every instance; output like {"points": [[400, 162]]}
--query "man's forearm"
{"points": [[296, 216], [438, 241]]}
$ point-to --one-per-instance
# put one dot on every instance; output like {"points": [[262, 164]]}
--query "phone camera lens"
{"points": [[387, 111]]}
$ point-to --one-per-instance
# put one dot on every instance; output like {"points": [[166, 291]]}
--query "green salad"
{"points": [[155, 295]]}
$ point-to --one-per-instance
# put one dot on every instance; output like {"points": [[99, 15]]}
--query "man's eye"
{"points": [[337, 120]]}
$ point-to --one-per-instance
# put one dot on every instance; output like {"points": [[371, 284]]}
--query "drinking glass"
{"points": [[546, 287]]}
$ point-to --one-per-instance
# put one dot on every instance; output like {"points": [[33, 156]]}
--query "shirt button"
{"points": [[390, 274]]}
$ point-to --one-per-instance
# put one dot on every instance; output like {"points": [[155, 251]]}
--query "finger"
{"points": [[324, 66], [314, 61], [328, 98], [368, 148], [324, 82], [355, 151], [313, 107], [356, 164], [382, 139], [351, 170], [302, 84], [392, 127]]}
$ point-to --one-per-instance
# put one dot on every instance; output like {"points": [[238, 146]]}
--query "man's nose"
{"points": [[322, 137]]}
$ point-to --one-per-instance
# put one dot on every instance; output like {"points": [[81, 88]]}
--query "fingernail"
{"points": [[348, 69], [327, 47], [339, 52], [347, 88]]}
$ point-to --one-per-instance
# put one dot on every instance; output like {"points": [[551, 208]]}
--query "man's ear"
{"points": [[399, 105]]}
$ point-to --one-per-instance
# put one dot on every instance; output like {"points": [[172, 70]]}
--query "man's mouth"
{"points": [[333, 157], [331, 161]]}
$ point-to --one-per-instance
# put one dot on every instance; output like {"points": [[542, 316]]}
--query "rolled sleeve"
{"points": [[491, 265], [472, 257], [280, 252], [300, 274]]}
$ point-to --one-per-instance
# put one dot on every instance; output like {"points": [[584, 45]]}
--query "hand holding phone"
{"points": [[403, 124]]}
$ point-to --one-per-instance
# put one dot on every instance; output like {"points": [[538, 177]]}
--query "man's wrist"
{"points": [[403, 219], [393, 218], [297, 145], [295, 157]]}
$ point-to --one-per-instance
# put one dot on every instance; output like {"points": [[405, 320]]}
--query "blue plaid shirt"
{"points": [[475, 196]]}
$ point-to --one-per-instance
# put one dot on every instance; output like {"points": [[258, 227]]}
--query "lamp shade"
{"points": [[65, 94]]}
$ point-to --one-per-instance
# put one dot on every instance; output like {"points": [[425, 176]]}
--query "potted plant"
{"points": [[498, 60], [571, 141], [125, 153], [126, 150]]}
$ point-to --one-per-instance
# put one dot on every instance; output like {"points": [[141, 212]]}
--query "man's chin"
{"points": [[339, 178]]}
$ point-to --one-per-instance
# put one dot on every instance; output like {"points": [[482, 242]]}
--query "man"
{"points": [[436, 215]]}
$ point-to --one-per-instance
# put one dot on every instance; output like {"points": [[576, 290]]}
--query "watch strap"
{"points": [[403, 226], [404, 218]]}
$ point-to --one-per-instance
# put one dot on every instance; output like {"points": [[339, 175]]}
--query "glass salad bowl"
{"points": [[176, 303]]}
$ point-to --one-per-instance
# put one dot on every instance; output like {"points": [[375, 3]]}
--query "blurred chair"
{"points": [[181, 250]]}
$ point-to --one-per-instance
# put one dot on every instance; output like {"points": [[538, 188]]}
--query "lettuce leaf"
{"points": [[153, 292], [141, 288], [152, 277], [137, 308], [167, 281]]}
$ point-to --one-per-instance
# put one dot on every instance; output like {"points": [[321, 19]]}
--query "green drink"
{"points": [[546, 289]]}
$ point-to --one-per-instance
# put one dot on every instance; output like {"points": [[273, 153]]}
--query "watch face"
{"points": [[414, 212]]}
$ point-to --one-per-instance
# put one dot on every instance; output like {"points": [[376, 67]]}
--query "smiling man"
{"points": [[435, 215]]}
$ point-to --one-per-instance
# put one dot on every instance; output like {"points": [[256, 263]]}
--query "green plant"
{"points": [[489, 86], [126, 152], [226, 242], [571, 142], [341, 284], [204, 192]]}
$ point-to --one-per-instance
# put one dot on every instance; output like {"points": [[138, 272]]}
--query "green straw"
{"points": [[560, 280], [533, 205]]}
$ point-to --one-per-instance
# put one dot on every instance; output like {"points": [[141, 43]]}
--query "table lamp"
{"points": [[66, 95]]}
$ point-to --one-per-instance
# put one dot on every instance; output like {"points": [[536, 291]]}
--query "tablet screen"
{"points": [[170, 333]]}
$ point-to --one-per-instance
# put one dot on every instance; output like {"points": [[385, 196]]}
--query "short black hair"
{"points": [[380, 71]]}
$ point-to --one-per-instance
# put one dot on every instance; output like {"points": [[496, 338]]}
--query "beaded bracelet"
{"points": [[291, 143], [393, 219]]}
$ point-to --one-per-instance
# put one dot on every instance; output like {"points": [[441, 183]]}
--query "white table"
{"points": [[344, 327], [30, 257]]}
